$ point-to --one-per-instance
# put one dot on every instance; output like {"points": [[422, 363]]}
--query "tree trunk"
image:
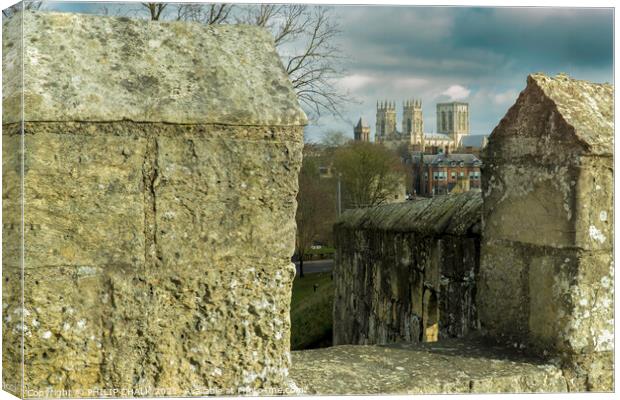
{"points": [[301, 266]]}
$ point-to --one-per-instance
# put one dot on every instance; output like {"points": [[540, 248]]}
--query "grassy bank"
{"points": [[311, 312]]}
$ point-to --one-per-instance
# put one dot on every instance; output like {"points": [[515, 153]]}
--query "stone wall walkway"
{"points": [[448, 366]]}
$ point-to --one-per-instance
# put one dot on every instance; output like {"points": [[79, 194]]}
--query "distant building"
{"points": [[445, 173], [361, 131], [453, 126], [472, 144]]}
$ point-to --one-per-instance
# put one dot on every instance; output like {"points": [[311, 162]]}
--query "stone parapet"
{"points": [[406, 271], [159, 178], [548, 232]]}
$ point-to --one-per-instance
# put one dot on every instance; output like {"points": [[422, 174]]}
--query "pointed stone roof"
{"points": [[587, 107], [81, 67], [362, 124]]}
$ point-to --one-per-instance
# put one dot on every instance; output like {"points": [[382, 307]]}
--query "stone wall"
{"points": [[546, 273], [406, 271], [159, 187]]}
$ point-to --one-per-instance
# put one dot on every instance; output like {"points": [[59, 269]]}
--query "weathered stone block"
{"points": [[594, 204], [543, 193], [70, 172], [502, 291], [159, 204], [548, 235]]}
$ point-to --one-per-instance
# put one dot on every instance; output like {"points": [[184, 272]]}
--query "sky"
{"points": [[478, 55]]}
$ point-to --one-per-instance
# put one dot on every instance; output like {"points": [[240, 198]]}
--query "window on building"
{"points": [[462, 174], [453, 175]]}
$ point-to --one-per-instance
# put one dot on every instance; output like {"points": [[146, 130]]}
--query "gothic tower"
{"points": [[413, 122], [453, 120], [361, 131], [386, 120]]}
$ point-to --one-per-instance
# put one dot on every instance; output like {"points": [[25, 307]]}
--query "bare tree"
{"points": [[208, 14], [305, 36], [155, 9]]}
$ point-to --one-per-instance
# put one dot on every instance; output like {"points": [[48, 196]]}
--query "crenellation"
{"points": [[150, 223], [546, 211], [528, 265]]}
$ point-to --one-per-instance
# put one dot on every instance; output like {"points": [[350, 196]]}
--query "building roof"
{"points": [[453, 103], [474, 140], [436, 136], [442, 159], [92, 68], [588, 107]]}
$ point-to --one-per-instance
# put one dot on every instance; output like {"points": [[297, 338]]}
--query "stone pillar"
{"points": [[546, 273], [160, 177]]}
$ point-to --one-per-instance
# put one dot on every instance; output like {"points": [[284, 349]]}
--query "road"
{"points": [[311, 267]]}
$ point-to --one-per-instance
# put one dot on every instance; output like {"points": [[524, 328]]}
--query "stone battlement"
{"points": [[156, 168], [159, 176], [406, 271]]}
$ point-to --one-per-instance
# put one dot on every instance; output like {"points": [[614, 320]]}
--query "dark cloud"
{"points": [[544, 37], [469, 41]]}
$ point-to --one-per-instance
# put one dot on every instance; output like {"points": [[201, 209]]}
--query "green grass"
{"points": [[311, 312]]}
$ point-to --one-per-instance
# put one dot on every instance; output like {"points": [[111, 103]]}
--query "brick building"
{"points": [[442, 173]]}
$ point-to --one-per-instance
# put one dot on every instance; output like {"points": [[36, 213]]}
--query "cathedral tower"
{"points": [[386, 121], [453, 120], [413, 122], [361, 131]]}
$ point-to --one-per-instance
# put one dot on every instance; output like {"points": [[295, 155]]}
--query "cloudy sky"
{"points": [[478, 55]]}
